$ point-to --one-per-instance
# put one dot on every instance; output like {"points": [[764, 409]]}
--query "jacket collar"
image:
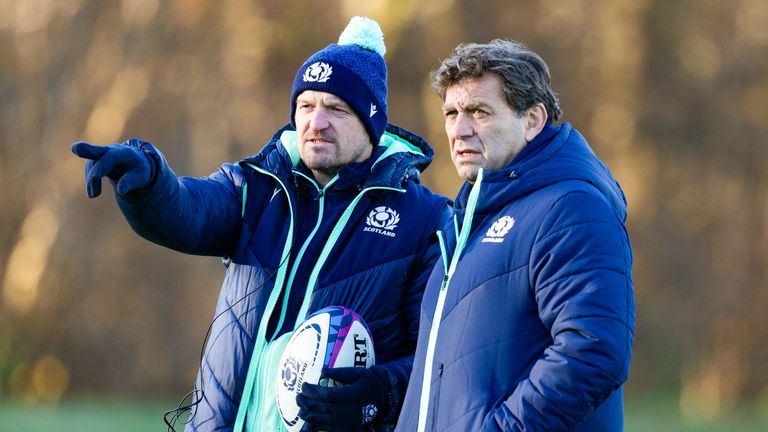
{"points": [[558, 153], [399, 156]]}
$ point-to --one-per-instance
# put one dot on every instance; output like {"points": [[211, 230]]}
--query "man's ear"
{"points": [[535, 119]]}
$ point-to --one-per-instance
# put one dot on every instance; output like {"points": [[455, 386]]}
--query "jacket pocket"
{"points": [[435, 403]]}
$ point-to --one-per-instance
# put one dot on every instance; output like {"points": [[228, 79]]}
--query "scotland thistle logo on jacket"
{"points": [[382, 220]]}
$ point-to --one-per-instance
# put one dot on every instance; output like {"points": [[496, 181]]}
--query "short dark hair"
{"points": [[524, 73]]}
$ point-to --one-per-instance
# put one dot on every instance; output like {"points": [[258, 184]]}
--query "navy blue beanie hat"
{"points": [[354, 70]]}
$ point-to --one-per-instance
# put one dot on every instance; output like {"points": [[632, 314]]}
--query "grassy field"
{"points": [[654, 415], [84, 415], [661, 414]]}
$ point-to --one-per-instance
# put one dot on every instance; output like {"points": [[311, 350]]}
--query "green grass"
{"points": [[662, 414], [114, 415], [117, 415]]}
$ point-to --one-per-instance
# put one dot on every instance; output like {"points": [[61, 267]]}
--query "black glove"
{"points": [[127, 164], [361, 396]]}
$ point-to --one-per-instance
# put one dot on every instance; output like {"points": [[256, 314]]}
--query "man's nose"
{"points": [[319, 119], [461, 127]]}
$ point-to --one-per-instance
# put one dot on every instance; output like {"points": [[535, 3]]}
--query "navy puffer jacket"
{"points": [[365, 241], [528, 322]]}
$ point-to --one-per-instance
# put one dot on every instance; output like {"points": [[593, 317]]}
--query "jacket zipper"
{"points": [[260, 340], [300, 255], [461, 241]]}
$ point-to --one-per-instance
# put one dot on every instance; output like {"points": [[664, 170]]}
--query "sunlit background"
{"points": [[671, 94]]}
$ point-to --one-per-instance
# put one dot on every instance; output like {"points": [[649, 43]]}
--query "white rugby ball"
{"points": [[331, 337]]}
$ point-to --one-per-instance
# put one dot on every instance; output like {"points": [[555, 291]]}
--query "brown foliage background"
{"points": [[671, 94]]}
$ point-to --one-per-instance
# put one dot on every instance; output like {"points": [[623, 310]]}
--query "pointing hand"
{"points": [[126, 164]]}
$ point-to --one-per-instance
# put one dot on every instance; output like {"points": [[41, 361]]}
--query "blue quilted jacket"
{"points": [[365, 241], [533, 299]]}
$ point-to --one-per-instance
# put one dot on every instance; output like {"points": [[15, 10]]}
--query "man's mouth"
{"points": [[467, 154], [319, 140]]}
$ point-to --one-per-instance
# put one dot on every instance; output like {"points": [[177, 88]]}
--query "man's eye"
{"points": [[450, 113]]}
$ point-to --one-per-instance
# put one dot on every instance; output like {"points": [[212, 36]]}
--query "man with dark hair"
{"points": [[330, 212], [528, 320]]}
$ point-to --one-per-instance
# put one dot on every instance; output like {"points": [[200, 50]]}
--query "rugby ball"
{"points": [[331, 337]]}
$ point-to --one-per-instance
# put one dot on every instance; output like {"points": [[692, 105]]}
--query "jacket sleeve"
{"points": [[192, 215], [580, 273], [399, 370]]}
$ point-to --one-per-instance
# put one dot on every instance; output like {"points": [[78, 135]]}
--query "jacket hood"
{"points": [[558, 153], [400, 155]]}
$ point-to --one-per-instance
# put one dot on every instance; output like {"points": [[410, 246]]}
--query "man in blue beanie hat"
{"points": [[296, 224]]}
